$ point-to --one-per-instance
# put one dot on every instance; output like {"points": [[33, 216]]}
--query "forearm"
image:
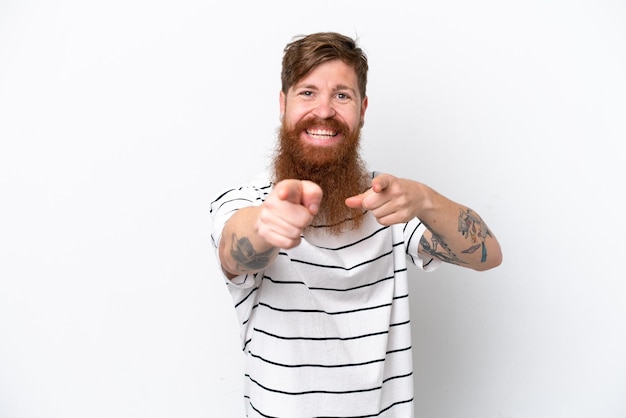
{"points": [[458, 235], [242, 250], [253, 236]]}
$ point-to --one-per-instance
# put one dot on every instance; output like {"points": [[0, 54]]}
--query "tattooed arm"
{"points": [[469, 244], [242, 250], [455, 233], [253, 236]]}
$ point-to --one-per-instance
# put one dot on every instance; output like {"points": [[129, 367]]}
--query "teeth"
{"points": [[321, 132]]}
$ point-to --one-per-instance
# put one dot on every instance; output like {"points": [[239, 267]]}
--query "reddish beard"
{"points": [[338, 169]]}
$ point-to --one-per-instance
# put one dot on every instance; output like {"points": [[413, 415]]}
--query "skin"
{"points": [[330, 90], [253, 236]]}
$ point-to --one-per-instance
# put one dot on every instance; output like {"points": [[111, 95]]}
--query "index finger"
{"points": [[311, 196], [289, 190]]}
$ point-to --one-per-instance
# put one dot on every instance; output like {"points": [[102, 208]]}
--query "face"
{"points": [[323, 102], [319, 141]]}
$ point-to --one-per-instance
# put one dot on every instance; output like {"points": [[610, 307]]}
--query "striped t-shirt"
{"points": [[325, 329]]}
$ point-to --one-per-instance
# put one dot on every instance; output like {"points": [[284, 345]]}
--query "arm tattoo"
{"points": [[438, 248], [470, 226], [247, 257]]}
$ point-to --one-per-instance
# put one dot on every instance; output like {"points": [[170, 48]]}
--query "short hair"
{"points": [[305, 53]]}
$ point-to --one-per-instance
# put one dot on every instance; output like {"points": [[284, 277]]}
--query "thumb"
{"points": [[381, 182]]}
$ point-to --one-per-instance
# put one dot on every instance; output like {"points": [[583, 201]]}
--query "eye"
{"points": [[343, 96], [306, 93]]}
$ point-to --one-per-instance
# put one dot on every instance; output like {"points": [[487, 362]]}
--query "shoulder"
{"points": [[250, 193]]}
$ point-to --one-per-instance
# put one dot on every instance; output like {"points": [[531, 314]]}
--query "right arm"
{"points": [[253, 236]]}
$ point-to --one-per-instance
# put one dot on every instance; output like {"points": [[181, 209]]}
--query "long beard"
{"points": [[338, 170]]}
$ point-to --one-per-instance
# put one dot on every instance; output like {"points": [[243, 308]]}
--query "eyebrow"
{"points": [[344, 87]]}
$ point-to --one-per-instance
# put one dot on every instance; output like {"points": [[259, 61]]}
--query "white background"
{"points": [[120, 120]]}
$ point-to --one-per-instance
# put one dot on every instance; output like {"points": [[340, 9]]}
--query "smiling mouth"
{"points": [[321, 134]]}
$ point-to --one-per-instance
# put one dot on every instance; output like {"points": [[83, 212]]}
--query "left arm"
{"points": [[455, 233]]}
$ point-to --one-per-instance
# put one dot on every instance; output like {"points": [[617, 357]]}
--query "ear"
{"points": [[363, 109]]}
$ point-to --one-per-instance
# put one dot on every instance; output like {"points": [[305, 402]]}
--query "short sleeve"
{"points": [[413, 231], [225, 205]]}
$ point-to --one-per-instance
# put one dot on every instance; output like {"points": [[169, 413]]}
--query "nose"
{"points": [[324, 109]]}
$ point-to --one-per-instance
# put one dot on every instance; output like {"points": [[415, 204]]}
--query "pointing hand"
{"points": [[288, 210], [391, 200]]}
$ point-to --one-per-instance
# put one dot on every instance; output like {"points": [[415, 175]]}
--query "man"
{"points": [[315, 254]]}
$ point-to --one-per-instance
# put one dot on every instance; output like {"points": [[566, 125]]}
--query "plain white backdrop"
{"points": [[120, 120]]}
